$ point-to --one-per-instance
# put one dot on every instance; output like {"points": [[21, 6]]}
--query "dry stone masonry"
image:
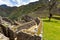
{"points": [[25, 29]]}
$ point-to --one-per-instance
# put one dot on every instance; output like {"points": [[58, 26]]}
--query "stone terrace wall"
{"points": [[24, 36], [7, 32], [26, 26], [20, 35]]}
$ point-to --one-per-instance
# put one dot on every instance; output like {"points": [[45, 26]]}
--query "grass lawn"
{"points": [[51, 29]]}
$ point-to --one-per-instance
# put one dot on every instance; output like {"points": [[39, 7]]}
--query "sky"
{"points": [[16, 2]]}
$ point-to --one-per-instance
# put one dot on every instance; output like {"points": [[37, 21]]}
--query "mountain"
{"points": [[40, 8], [4, 6], [6, 10], [25, 9], [14, 12]]}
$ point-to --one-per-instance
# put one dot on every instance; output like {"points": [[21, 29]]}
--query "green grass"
{"points": [[51, 29]]}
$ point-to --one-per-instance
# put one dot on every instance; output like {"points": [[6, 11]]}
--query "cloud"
{"points": [[33, 0], [16, 2], [49, 0], [7, 2]]}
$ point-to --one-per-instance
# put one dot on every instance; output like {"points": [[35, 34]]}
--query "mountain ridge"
{"points": [[15, 12]]}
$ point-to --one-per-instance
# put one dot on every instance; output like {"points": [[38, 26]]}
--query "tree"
{"points": [[52, 4]]}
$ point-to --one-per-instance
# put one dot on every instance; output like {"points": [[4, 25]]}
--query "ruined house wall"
{"points": [[4, 29], [20, 35], [24, 36], [8, 32], [26, 26]]}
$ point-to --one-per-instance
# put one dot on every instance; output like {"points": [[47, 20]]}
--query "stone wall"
{"points": [[26, 25], [24, 36], [12, 34], [7, 32]]}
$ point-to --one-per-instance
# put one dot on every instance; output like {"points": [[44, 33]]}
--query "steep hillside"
{"points": [[15, 12], [26, 9], [40, 8], [6, 10]]}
